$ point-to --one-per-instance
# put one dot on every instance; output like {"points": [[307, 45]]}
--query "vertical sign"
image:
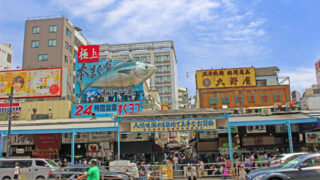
{"points": [[88, 54]]}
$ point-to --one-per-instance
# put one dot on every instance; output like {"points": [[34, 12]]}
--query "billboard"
{"points": [[104, 80], [31, 83], [105, 109], [173, 125], [222, 78]]}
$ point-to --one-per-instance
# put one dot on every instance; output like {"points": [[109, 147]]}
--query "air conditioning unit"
{"points": [[242, 110], [266, 112]]}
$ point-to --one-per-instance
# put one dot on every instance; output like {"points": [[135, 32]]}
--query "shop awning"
{"points": [[59, 126]]}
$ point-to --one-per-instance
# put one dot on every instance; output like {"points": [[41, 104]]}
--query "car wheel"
{"points": [[40, 178], [275, 179], [6, 178]]}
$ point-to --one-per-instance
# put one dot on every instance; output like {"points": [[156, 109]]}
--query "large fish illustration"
{"points": [[124, 75]]}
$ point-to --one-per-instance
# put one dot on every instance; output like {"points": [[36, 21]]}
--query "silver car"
{"points": [[305, 167], [33, 168]]}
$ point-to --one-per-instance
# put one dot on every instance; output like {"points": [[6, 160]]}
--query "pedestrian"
{"points": [[225, 172], [93, 172], [17, 171], [191, 172]]}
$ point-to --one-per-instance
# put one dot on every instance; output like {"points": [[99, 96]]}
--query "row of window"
{"points": [[164, 89], [51, 43], [52, 28], [44, 57], [161, 58], [163, 68], [160, 79], [165, 100], [68, 47], [36, 29]]}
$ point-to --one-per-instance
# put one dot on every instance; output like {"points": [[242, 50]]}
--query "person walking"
{"points": [[93, 173], [17, 171]]}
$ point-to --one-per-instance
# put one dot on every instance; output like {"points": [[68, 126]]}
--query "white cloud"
{"points": [[301, 78]]}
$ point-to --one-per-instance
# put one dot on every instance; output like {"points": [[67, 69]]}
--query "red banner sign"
{"points": [[47, 141], [88, 54]]}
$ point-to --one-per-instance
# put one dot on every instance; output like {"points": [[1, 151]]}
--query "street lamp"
{"points": [[9, 124]]}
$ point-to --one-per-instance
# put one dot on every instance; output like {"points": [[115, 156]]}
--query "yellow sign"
{"points": [[173, 125], [31, 83], [221, 78]]}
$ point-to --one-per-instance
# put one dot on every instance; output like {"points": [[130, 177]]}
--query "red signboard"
{"points": [[48, 141], [88, 54], [317, 65]]}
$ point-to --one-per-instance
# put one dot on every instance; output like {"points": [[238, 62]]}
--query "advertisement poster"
{"points": [[19, 139], [48, 141], [312, 137], [5, 107], [105, 109], [221, 78], [31, 83]]}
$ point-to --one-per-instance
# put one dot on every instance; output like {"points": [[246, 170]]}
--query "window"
{"points": [[52, 43], [66, 45], [43, 57], [70, 49], [167, 89], [53, 28], [158, 78], [312, 162], [35, 44], [9, 58], [158, 58], [261, 82], [41, 163], [166, 68], [25, 164], [68, 32], [159, 68], [36, 30], [66, 59], [160, 89], [166, 79]]}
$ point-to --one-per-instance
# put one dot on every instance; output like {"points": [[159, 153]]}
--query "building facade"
{"points": [[184, 99], [5, 56], [160, 54], [52, 42]]}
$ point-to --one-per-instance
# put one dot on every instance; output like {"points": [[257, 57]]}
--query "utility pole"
{"points": [[9, 124]]}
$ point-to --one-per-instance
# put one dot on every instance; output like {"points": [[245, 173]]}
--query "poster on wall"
{"points": [[20, 139], [101, 136], [256, 129], [31, 83], [105, 109], [312, 137], [48, 141], [104, 80], [78, 138]]}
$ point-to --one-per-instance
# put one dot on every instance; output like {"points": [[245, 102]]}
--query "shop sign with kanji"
{"points": [[173, 125], [88, 54], [222, 78]]}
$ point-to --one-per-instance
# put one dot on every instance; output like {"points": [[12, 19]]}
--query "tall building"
{"points": [[184, 100], [52, 42], [317, 67], [161, 54], [5, 56]]}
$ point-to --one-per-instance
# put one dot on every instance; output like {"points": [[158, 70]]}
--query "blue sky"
{"points": [[207, 33]]}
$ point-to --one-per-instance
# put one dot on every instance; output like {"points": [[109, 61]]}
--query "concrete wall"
{"points": [[271, 80], [59, 109], [311, 102]]}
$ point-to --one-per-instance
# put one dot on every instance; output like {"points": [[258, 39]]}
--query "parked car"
{"points": [[33, 168], [285, 157], [306, 167]]}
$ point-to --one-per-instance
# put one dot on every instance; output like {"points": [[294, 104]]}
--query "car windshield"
{"points": [[52, 163]]}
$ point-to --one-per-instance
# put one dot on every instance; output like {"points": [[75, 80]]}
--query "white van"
{"points": [[32, 168]]}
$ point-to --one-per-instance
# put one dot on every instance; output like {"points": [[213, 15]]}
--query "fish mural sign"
{"points": [[109, 81]]}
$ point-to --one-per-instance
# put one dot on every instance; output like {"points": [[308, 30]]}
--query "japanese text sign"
{"points": [[31, 83], [173, 125], [221, 78], [104, 109], [88, 54]]}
